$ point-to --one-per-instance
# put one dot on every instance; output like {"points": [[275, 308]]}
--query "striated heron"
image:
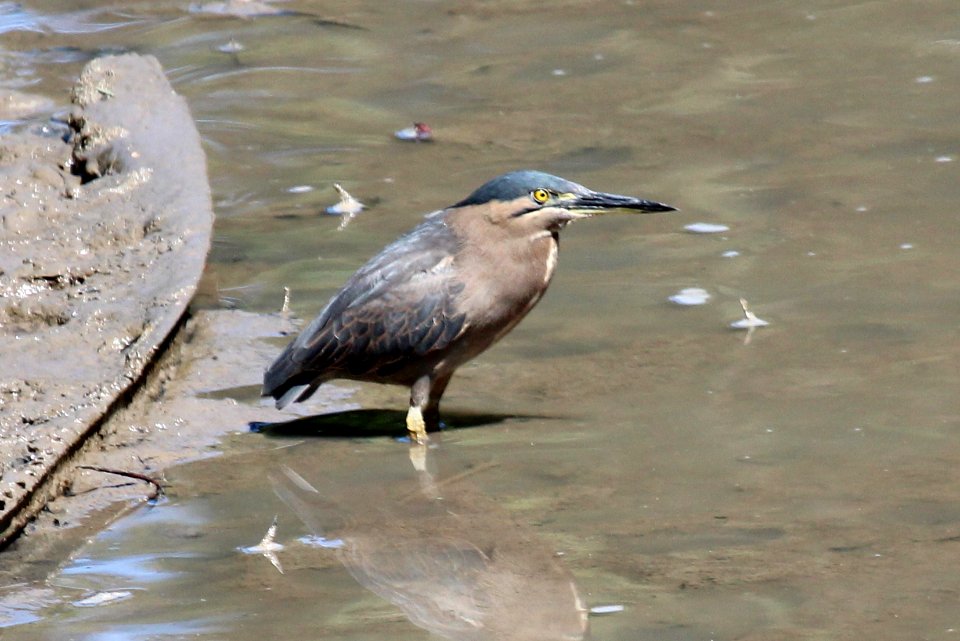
{"points": [[442, 293]]}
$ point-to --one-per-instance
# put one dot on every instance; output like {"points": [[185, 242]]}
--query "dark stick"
{"points": [[133, 475]]}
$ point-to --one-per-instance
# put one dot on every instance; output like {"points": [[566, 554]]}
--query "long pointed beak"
{"points": [[597, 202]]}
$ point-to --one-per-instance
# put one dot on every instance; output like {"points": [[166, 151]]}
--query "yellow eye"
{"points": [[540, 195]]}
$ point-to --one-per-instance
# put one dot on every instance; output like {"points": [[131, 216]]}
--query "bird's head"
{"points": [[532, 201]]}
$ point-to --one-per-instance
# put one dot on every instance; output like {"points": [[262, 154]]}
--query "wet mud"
{"points": [[204, 385], [105, 224]]}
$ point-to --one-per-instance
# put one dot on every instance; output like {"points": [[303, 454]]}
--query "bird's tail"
{"points": [[287, 383]]}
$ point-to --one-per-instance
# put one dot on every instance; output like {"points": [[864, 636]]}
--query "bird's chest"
{"points": [[503, 285]]}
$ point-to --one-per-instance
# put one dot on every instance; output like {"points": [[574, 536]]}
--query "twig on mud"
{"points": [[158, 488]]}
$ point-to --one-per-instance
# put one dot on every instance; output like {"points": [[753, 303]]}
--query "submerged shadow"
{"points": [[372, 423]]}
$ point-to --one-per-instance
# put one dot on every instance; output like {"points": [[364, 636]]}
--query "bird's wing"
{"points": [[401, 304]]}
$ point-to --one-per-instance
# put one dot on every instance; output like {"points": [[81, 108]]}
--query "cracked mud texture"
{"points": [[105, 225]]}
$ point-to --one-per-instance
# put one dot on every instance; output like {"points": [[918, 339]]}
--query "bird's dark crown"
{"points": [[519, 183]]}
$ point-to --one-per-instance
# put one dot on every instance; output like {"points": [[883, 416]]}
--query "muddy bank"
{"points": [[203, 385], [105, 224]]}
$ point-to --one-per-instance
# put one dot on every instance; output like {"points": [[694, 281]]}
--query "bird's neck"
{"points": [[550, 243]]}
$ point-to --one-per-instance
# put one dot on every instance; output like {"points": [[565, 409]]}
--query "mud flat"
{"points": [[105, 225]]}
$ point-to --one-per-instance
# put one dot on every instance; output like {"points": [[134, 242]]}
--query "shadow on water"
{"points": [[453, 561], [373, 423]]}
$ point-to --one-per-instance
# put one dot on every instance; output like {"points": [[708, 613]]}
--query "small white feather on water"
{"points": [[690, 296], [348, 205], [267, 547], [606, 609], [706, 228], [232, 46], [347, 208], [750, 320]]}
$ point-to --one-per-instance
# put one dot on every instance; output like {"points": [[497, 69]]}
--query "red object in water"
{"points": [[419, 132]]}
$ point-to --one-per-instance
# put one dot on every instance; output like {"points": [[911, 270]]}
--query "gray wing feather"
{"points": [[400, 304]]}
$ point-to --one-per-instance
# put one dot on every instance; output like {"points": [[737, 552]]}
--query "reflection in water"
{"points": [[455, 563]]}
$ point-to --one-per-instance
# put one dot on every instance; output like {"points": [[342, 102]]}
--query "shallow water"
{"points": [[799, 484]]}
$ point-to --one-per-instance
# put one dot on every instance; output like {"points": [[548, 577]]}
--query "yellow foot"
{"points": [[417, 426]]}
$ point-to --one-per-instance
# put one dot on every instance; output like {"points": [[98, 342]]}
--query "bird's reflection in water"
{"points": [[453, 561]]}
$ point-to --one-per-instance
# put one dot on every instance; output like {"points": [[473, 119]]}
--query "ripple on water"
{"points": [[140, 567], [14, 17]]}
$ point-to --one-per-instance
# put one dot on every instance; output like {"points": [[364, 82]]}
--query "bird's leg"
{"points": [[431, 413], [424, 412], [419, 398]]}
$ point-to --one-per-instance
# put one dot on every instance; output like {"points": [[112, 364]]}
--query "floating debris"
{"points": [[103, 598], [923, 80], [906, 246], [287, 323], [419, 132], [285, 308], [690, 296], [238, 9], [944, 158], [730, 253], [267, 547], [750, 320], [606, 609], [706, 228], [348, 207], [231, 47], [300, 189], [316, 541]]}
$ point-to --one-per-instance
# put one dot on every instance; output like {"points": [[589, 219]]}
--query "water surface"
{"points": [[802, 484]]}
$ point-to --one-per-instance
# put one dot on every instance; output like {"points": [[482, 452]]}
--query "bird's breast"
{"points": [[504, 283]]}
